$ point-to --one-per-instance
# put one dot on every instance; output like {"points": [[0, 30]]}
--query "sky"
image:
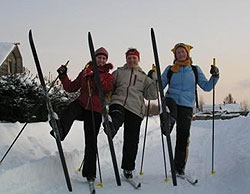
{"points": [[216, 29]]}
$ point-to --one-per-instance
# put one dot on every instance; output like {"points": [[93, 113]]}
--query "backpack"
{"points": [[194, 68]]}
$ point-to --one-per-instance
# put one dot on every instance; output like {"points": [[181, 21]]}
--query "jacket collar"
{"points": [[104, 68], [138, 68]]}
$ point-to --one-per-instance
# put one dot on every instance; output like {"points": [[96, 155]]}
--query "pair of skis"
{"points": [[189, 179], [132, 182]]}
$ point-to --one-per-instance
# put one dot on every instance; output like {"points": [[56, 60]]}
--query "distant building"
{"points": [[11, 61], [230, 108]]}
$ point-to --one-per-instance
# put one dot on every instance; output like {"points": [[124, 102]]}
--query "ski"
{"points": [[189, 179], [133, 183], [163, 106], [104, 109], [51, 113], [91, 187]]}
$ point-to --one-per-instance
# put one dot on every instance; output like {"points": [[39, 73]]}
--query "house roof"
{"points": [[5, 49], [223, 107]]}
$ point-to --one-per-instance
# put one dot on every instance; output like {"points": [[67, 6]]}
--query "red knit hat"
{"points": [[133, 52], [102, 51]]}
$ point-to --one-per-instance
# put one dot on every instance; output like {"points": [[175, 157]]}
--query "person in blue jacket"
{"points": [[181, 79]]}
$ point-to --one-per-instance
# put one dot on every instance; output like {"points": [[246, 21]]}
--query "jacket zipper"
{"points": [[125, 101], [135, 79]]}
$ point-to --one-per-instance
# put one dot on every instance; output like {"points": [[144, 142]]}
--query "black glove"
{"points": [[152, 74], [167, 123], [62, 71], [214, 71]]}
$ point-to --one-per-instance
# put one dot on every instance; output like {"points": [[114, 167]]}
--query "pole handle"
{"points": [[154, 67], [214, 61], [66, 64]]}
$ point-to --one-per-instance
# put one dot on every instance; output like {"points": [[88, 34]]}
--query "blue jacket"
{"points": [[182, 85]]}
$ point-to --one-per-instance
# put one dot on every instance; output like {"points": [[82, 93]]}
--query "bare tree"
{"points": [[245, 105], [229, 99]]}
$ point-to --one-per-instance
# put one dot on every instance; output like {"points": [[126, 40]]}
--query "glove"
{"points": [[214, 71], [62, 71], [167, 123], [88, 73], [152, 74]]}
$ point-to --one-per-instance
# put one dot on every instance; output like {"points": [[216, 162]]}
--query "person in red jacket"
{"points": [[87, 107]]}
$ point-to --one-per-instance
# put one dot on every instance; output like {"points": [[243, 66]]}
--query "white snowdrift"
{"points": [[33, 166]]}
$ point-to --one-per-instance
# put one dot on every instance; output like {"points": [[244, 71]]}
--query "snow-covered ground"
{"points": [[33, 166]]}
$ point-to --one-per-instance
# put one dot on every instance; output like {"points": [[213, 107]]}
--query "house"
{"points": [[230, 108], [221, 111], [11, 61]]}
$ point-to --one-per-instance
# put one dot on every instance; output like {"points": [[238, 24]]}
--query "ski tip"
{"points": [[141, 173], [166, 180], [89, 34], [100, 185], [30, 32], [213, 172], [152, 30]]}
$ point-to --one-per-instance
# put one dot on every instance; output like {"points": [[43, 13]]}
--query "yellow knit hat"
{"points": [[186, 46]]}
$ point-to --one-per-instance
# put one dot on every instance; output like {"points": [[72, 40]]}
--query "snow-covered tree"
{"points": [[21, 98]]}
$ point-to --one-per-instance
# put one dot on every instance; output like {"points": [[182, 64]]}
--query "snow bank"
{"points": [[33, 166]]}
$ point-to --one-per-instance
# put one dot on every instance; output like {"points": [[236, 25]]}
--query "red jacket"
{"points": [[81, 82]]}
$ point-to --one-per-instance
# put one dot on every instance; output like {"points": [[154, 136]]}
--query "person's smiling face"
{"points": [[181, 54], [101, 60]]}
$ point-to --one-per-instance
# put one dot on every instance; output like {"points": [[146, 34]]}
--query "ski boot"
{"points": [[128, 174]]}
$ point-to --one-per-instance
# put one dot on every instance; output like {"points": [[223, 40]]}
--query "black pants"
{"points": [[132, 124], [76, 112], [183, 116]]}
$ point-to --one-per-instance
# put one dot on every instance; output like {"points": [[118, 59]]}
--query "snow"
{"points": [[5, 49], [33, 166]]}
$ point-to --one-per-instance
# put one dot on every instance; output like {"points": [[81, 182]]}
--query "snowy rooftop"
{"points": [[5, 49], [223, 107]]}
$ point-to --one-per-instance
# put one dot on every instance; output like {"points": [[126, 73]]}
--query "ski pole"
{"points": [[144, 141], [53, 82], [94, 133], [35, 107], [163, 145], [162, 138], [213, 171], [81, 165], [146, 127]]}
